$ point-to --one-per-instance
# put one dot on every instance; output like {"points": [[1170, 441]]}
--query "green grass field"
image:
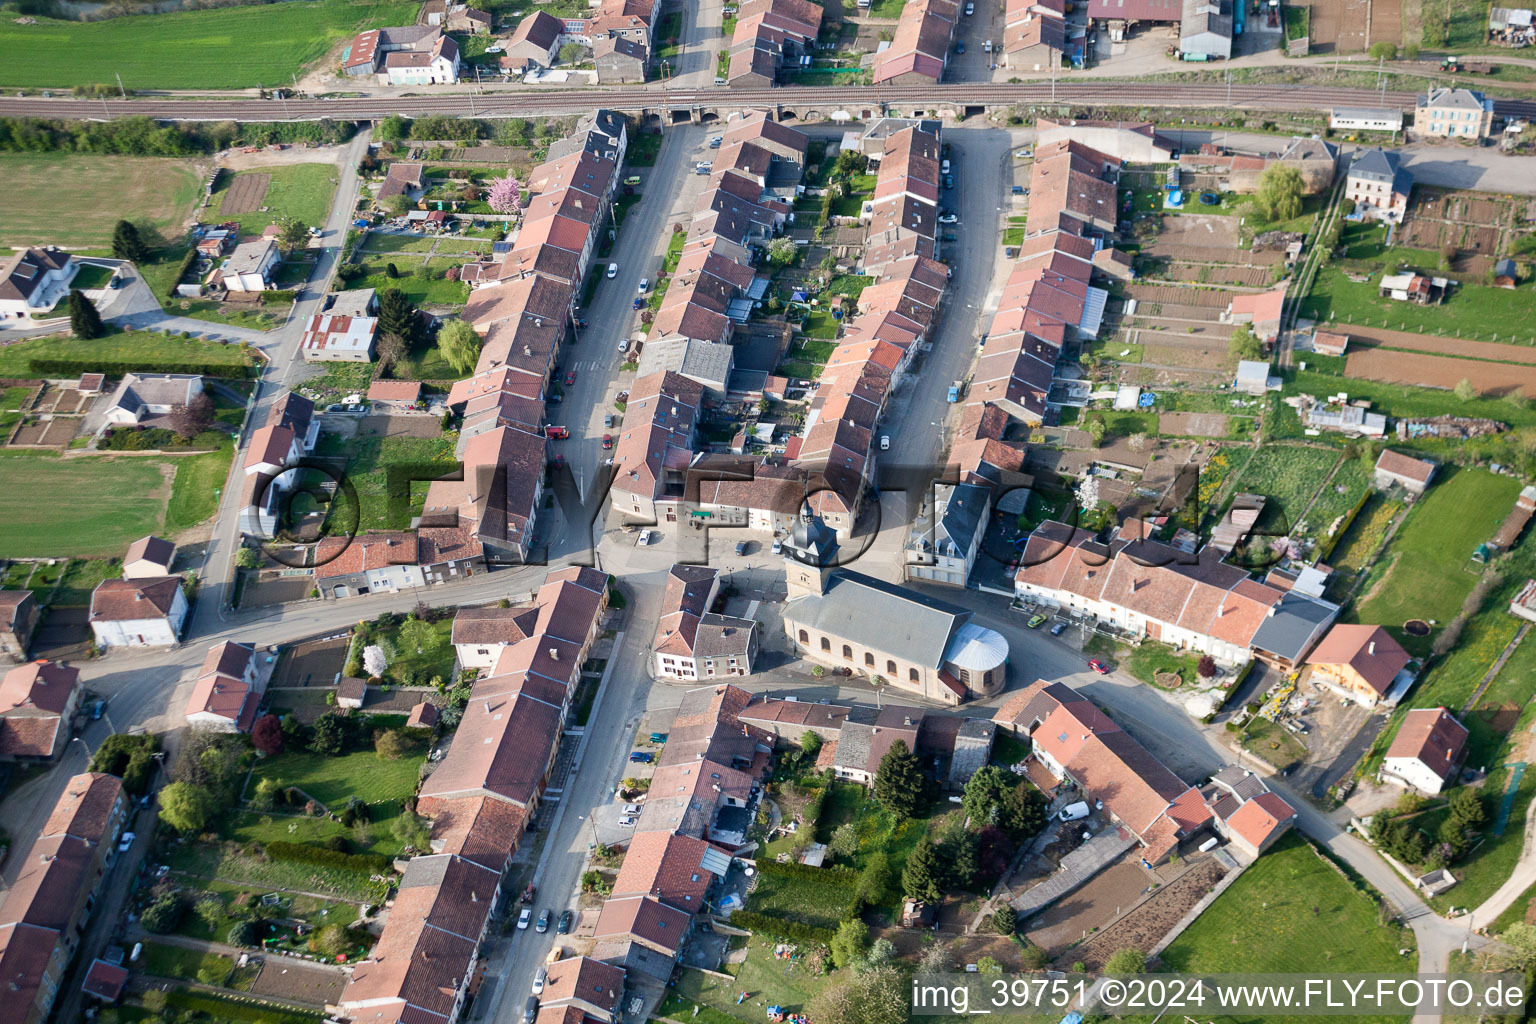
{"points": [[422, 283], [230, 48], [1476, 311], [1289, 475], [56, 197], [791, 985], [331, 780], [1291, 912], [142, 347], [1423, 573], [50, 508], [368, 462], [295, 190]]}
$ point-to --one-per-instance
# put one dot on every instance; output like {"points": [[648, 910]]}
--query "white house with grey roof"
{"points": [[1366, 119], [947, 533], [34, 280], [249, 267], [1206, 28], [139, 395], [916, 643], [706, 362], [1378, 185]]}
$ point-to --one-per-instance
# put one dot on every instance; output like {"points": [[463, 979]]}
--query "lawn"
{"points": [[296, 190], [1474, 310], [143, 348], [1402, 401], [764, 978], [1291, 912], [1273, 743], [1338, 498], [1289, 475], [56, 197], [368, 460], [315, 912], [82, 577], [229, 48], [229, 863], [422, 283], [89, 506], [207, 1005], [255, 827], [195, 491], [1424, 573], [164, 961], [1151, 657], [820, 903], [879, 830], [1491, 863], [331, 780]]}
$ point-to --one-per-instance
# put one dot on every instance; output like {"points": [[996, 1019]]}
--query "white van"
{"points": [[1073, 812], [613, 270]]}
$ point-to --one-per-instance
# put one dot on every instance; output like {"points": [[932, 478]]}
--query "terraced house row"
{"points": [[480, 798]]}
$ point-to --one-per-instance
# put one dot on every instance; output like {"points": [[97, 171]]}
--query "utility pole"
{"points": [[104, 109], [1229, 87], [120, 88]]}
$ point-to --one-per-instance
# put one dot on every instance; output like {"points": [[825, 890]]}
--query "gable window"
{"points": [[826, 644], [912, 675], [869, 659]]}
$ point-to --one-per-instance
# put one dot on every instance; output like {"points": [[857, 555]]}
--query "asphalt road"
{"points": [[508, 103]]}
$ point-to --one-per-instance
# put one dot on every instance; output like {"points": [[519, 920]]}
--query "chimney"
{"points": [[1370, 648], [554, 654]]}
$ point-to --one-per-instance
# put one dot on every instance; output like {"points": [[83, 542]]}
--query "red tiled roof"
{"points": [[1369, 650], [1260, 818], [127, 600], [1433, 737]]}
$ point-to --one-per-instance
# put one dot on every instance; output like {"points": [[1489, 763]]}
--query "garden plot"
{"points": [[1339, 27], [1205, 273], [245, 194], [1194, 237], [1441, 371], [1146, 925]]}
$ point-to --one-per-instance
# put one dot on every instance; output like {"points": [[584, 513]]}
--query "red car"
{"points": [[607, 441], [570, 378], [1099, 667]]}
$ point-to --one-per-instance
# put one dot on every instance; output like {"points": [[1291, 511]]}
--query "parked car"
{"points": [[627, 822], [608, 419], [986, 47], [564, 927], [638, 304], [1058, 629], [645, 285], [125, 842], [543, 925], [613, 270], [631, 808], [741, 547], [1099, 667], [641, 757], [645, 537], [570, 378], [719, 80], [538, 980], [633, 179], [778, 546], [1018, 190], [1035, 621], [531, 1010], [948, 218], [885, 442], [557, 433], [949, 180], [523, 919], [970, 8], [98, 709], [607, 442], [960, 46], [714, 143]]}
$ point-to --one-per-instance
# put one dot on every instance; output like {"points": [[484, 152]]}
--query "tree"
{"points": [[126, 243], [460, 345], [1244, 344], [84, 321], [247, 558], [1034, 957], [1096, 427], [1139, 442], [391, 350], [961, 850], [506, 195], [872, 997], [1279, 194], [994, 852], [1005, 920], [292, 233], [392, 129], [920, 878], [899, 780], [1384, 50], [193, 418], [1126, 961], [332, 940], [185, 807], [1205, 668], [810, 744], [984, 794], [393, 744], [209, 909], [570, 53], [330, 735], [1411, 51], [850, 942], [391, 271], [267, 792], [1517, 950], [267, 735], [782, 251], [935, 960], [874, 881], [1023, 814], [881, 953], [242, 933], [163, 913], [411, 830], [1465, 390], [988, 965], [845, 841], [397, 316]]}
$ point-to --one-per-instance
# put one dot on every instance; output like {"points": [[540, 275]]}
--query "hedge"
{"points": [[275, 296], [781, 927], [75, 367], [246, 1009], [832, 875], [181, 274], [300, 853]]}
